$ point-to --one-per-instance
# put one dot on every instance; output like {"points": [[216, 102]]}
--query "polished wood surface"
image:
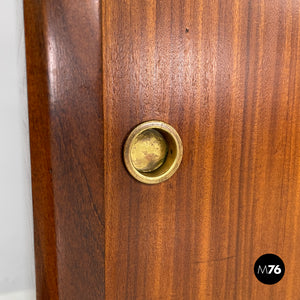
{"points": [[64, 73], [226, 76]]}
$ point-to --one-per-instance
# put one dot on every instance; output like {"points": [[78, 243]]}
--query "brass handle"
{"points": [[153, 152]]}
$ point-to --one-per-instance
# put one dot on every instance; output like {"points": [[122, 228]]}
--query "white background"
{"points": [[16, 230]]}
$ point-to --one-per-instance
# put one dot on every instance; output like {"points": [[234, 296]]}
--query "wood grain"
{"points": [[64, 70], [226, 76]]}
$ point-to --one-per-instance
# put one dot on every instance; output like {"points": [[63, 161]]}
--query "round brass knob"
{"points": [[153, 152]]}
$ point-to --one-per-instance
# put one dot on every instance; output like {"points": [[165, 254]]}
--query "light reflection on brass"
{"points": [[148, 151], [153, 152]]}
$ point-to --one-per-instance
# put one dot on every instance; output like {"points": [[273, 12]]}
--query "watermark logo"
{"points": [[269, 268]]}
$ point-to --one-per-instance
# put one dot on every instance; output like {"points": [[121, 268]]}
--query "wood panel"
{"points": [[225, 74], [64, 70]]}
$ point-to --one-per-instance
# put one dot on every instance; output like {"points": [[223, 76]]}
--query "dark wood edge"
{"points": [[69, 222], [41, 169]]}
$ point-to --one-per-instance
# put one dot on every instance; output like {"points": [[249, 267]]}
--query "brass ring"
{"points": [[153, 152]]}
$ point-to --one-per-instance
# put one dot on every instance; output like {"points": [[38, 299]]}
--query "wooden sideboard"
{"points": [[226, 76]]}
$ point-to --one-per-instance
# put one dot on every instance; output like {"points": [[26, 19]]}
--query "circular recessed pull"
{"points": [[153, 152]]}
